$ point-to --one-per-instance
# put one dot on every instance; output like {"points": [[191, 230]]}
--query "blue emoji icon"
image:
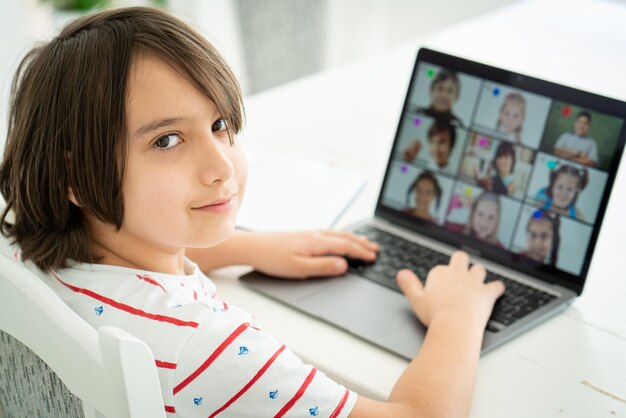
{"points": [[496, 92], [243, 350], [99, 310], [197, 401], [314, 411], [274, 394]]}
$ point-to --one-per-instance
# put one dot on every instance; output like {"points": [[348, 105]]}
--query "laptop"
{"points": [[514, 170]]}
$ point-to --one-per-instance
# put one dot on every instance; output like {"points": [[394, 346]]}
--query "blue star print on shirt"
{"points": [[197, 401], [274, 394], [243, 350], [314, 411], [99, 310]]}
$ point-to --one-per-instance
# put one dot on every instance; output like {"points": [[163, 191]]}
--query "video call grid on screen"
{"points": [[510, 168]]}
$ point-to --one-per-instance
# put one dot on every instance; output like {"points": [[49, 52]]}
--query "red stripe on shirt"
{"points": [[151, 281], [195, 295], [250, 383], [127, 308], [225, 306], [340, 406], [215, 354], [165, 364], [170, 409], [298, 394]]}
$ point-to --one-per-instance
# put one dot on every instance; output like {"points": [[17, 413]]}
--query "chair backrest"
{"points": [[109, 370]]}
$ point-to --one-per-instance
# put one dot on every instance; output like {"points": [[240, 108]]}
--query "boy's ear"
{"points": [[68, 165]]}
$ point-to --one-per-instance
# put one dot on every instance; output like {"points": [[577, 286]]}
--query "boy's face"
{"points": [[581, 125], [184, 182], [424, 193], [440, 147], [539, 238], [444, 94]]}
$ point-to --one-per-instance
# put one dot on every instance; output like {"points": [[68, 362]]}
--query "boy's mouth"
{"points": [[219, 203]]}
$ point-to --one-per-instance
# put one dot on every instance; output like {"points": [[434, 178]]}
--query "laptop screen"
{"points": [[514, 168]]}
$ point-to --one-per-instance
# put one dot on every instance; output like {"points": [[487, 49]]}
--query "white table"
{"points": [[573, 365]]}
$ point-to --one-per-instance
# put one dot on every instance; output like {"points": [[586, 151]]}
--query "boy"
{"points": [[444, 93], [122, 155], [441, 140], [578, 146]]}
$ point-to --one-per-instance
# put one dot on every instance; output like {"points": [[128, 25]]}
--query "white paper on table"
{"points": [[287, 193]]}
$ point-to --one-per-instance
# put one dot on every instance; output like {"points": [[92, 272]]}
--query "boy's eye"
{"points": [[219, 125], [167, 142]]}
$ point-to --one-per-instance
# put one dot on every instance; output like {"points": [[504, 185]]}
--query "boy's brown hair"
{"points": [[67, 125], [443, 127], [444, 75]]}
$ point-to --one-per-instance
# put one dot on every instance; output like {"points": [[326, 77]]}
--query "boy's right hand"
{"points": [[453, 290], [412, 150]]}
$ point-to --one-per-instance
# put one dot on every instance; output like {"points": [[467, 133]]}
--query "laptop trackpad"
{"points": [[362, 307]]}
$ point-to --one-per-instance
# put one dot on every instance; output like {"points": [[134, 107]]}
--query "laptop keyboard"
{"points": [[397, 253]]}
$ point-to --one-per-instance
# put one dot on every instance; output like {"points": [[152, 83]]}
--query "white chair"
{"points": [[108, 372]]}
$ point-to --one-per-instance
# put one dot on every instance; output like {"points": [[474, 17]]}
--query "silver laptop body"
{"points": [[381, 314]]}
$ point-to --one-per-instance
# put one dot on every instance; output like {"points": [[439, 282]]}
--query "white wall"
{"points": [[357, 28], [13, 35], [349, 30]]}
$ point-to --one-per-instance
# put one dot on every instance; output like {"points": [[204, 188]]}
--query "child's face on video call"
{"points": [[485, 219], [564, 190], [511, 117], [444, 94], [504, 163], [539, 239], [424, 193], [581, 126], [439, 144], [181, 167]]}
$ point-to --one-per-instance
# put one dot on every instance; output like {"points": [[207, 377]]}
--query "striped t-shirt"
{"points": [[213, 359]]}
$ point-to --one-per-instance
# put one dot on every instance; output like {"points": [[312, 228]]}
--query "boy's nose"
{"points": [[215, 164]]}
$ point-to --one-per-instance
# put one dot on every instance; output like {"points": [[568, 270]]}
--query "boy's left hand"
{"points": [[298, 255]]}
